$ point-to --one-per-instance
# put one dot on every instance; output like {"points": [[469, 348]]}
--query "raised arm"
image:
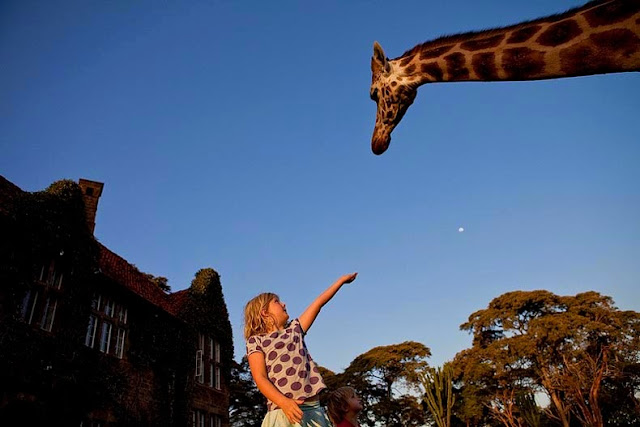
{"points": [[307, 318], [259, 373]]}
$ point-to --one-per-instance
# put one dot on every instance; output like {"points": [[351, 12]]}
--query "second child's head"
{"points": [[342, 402], [264, 313]]}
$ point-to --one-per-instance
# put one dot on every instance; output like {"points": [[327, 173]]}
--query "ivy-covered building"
{"points": [[86, 339]]}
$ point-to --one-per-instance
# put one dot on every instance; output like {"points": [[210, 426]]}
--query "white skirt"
{"points": [[313, 415]]}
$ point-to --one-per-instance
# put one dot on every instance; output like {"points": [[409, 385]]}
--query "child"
{"points": [[344, 406], [279, 361]]}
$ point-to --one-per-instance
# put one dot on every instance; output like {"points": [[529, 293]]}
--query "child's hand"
{"points": [[292, 410], [348, 278]]}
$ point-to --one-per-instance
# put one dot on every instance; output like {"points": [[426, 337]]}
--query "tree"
{"points": [[385, 377], [565, 347], [438, 394], [247, 406], [159, 281]]}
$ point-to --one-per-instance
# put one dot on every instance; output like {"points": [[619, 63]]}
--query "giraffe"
{"points": [[603, 36]]}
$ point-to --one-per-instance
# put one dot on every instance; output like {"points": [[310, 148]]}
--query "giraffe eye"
{"points": [[374, 95]]}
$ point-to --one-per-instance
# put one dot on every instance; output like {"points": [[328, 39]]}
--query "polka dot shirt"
{"points": [[289, 364]]}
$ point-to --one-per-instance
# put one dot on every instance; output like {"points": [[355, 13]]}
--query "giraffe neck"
{"points": [[600, 37]]}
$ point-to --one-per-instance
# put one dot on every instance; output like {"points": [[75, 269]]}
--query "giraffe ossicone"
{"points": [[603, 36]]}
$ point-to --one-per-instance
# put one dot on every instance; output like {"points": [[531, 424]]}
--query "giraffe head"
{"points": [[393, 96]]}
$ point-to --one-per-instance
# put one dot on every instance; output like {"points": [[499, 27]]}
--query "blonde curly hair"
{"points": [[337, 404], [254, 322]]}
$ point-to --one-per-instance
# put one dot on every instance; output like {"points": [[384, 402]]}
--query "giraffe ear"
{"points": [[379, 59]]}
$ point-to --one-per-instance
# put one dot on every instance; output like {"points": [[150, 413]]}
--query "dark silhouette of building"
{"points": [[88, 339]]}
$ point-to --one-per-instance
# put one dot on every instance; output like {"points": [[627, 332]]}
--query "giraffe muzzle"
{"points": [[380, 142]]}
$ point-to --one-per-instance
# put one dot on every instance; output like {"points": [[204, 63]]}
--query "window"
{"points": [[91, 331], [108, 320], [105, 337], [215, 367], [200, 360], [51, 275], [29, 305], [122, 314], [120, 343], [48, 314], [215, 421], [218, 384], [212, 346], [95, 302], [199, 370], [108, 308], [208, 362], [198, 418], [40, 302]]}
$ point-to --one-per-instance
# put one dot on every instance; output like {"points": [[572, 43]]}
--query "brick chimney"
{"points": [[91, 192]]}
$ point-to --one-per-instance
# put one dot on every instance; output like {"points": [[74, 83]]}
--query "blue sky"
{"points": [[236, 135]]}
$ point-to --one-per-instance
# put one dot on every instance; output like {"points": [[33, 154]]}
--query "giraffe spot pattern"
{"points": [[624, 42], [433, 69], [435, 53], [611, 13], [456, 67], [585, 57], [522, 63], [410, 69], [405, 61], [523, 34], [484, 65], [485, 43], [559, 33]]}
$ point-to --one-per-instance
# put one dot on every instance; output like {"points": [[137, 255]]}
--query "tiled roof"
{"points": [[111, 264], [177, 300], [119, 270]]}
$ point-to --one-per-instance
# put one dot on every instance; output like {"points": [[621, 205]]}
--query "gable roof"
{"points": [[111, 264], [119, 270]]}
